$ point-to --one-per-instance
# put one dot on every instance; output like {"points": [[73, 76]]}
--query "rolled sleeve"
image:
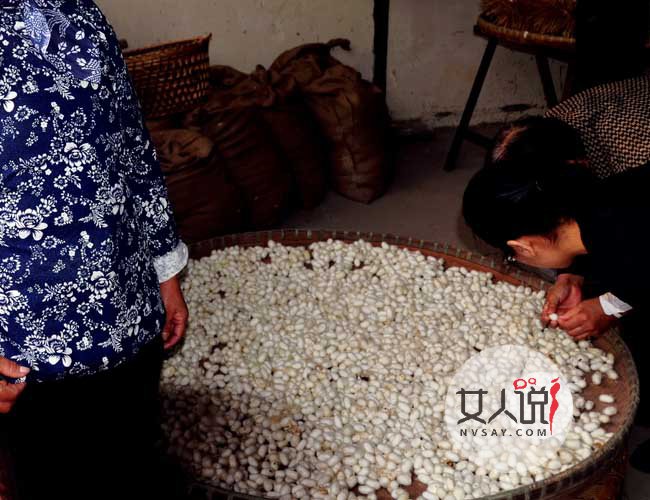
{"points": [[612, 305], [169, 265]]}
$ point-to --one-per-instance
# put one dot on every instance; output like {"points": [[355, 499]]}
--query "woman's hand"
{"points": [[176, 310], [565, 294], [587, 319], [9, 392]]}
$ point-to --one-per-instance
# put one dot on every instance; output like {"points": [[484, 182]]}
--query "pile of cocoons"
{"points": [[321, 372]]}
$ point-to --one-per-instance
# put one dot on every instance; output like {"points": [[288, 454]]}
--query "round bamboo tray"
{"points": [[599, 476]]}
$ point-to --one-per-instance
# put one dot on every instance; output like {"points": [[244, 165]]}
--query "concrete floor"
{"points": [[424, 202]]}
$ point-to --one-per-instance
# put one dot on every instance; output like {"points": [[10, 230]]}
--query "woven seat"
{"points": [[526, 41]]}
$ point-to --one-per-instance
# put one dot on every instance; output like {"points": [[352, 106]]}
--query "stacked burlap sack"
{"points": [[206, 202], [352, 116], [265, 142]]}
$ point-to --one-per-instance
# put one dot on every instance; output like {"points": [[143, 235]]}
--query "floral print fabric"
{"points": [[85, 222]]}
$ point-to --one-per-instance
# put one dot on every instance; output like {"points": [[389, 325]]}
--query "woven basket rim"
{"points": [[172, 77], [524, 37], [596, 460], [186, 43]]}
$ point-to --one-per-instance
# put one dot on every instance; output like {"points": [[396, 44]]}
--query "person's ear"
{"points": [[522, 247]]}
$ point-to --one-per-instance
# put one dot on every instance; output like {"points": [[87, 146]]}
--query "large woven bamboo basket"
{"points": [[172, 77], [598, 477]]}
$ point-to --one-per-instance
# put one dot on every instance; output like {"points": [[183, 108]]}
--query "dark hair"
{"points": [[535, 138], [507, 200]]}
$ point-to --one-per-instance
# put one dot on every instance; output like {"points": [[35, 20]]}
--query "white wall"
{"points": [[433, 54], [248, 32]]}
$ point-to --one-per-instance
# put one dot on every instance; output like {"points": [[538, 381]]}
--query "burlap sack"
{"points": [[307, 62], [166, 123], [268, 137], [295, 131], [180, 149], [253, 161], [225, 76], [205, 202], [222, 79], [351, 113], [353, 116], [274, 101]]}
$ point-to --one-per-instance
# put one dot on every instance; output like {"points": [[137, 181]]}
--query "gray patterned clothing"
{"points": [[613, 121]]}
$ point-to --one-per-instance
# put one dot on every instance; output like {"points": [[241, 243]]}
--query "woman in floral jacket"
{"points": [[89, 258]]}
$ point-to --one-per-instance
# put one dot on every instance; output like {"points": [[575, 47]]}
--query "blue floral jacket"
{"points": [[86, 229]]}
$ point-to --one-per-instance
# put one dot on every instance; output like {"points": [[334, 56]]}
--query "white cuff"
{"points": [[169, 265], [612, 305]]}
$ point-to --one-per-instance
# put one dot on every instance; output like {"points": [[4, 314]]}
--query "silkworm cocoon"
{"points": [[609, 411], [606, 398], [404, 479], [365, 490]]}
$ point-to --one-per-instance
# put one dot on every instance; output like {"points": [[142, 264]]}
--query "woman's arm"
{"points": [[176, 312], [153, 210]]}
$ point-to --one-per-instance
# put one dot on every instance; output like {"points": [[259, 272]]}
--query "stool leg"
{"points": [[465, 119], [569, 81], [547, 80]]}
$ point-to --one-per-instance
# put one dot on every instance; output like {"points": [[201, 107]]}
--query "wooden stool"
{"points": [[542, 47]]}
